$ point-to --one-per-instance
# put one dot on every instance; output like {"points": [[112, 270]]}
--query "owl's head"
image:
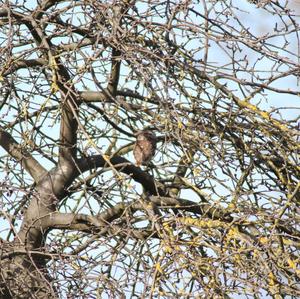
{"points": [[145, 135]]}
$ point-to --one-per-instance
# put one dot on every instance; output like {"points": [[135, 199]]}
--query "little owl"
{"points": [[144, 148]]}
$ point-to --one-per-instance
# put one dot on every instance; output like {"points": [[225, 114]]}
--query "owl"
{"points": [[144, 148]]}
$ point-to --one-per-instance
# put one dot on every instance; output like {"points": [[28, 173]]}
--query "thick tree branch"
{"points": [[103, 96], [123, 165], [114, 73], [90, 224], [70, 221], [68, 132], [60, 81], [204, 209], [24, 64], [35, 169]]}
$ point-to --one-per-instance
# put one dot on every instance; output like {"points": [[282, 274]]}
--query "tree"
{"points": [[214, 215]]}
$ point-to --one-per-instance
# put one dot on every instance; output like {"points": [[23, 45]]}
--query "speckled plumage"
{"points": [[144, 148]]}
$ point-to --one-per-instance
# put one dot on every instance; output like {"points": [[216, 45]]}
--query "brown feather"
{"points": [[144, 148]]}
